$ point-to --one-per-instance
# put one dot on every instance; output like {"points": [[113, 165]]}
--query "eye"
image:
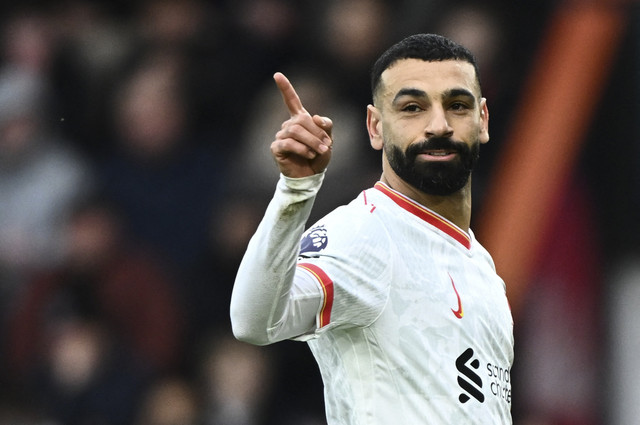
{"points": [[459, 107], [412, 107]]}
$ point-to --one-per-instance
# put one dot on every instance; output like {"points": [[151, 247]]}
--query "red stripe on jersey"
{"points": [[426, 215], [364, 194], [327, 288]]}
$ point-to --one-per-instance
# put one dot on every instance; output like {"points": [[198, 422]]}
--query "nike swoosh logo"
{"points": [[458, 313]]}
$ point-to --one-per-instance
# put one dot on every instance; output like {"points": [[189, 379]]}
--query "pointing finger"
{"points": [[289, 95]]}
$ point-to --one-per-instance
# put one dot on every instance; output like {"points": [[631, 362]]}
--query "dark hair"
{"points": [[428, 47]]}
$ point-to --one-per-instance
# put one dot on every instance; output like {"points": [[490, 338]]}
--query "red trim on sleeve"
{"points": [[327, 288]]}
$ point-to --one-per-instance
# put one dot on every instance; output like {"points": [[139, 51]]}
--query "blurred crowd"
{"points": [[134, 167]]}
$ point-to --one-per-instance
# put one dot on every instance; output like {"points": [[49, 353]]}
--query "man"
{"points": [[400, 304]]}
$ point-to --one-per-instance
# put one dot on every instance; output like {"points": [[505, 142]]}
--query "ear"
{"points": [[484, 118], [374, 127]]}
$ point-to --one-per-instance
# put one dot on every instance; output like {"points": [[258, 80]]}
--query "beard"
{"points": [[440, 178]]}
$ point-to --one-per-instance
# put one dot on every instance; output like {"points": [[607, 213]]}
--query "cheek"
{"points": [[468, 132], [400, 134]]}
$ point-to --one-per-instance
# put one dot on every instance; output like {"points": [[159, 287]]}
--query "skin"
{"points": [[416, 100], [302, 147]]}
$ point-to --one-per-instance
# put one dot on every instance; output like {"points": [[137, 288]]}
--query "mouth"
{"points": [[438, 154]]}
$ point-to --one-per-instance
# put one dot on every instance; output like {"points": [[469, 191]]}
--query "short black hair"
{"points": [[427, 47]]}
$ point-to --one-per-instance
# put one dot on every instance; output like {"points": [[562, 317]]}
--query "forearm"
{"points": [[265, 304]]}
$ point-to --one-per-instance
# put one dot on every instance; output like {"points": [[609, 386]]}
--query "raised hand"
{"points": [[303, 145]]}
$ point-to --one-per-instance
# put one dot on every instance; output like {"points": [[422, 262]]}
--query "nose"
{"points": [[438, 126]]}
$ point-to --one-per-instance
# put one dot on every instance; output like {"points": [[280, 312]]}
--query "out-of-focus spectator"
{"points": [[86, 335], [86, 377], [28, 42], [40, 178], [172, 23], [170, 401], [163, 177], [236, 381], [353, 31], [477, 27], [253, 39], [240, 385], [347, 36], [93, 44]]}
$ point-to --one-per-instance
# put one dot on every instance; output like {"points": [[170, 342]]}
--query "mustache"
{"points": [[436, 143]]}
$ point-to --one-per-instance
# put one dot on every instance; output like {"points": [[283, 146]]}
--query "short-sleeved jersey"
{"points": [[415, 327]]}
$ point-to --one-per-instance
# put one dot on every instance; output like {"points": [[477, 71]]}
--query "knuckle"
{"points": [[301, 119], [295, 132]]}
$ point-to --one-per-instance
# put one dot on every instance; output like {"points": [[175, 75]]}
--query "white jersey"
{"points": [[413, 324]]}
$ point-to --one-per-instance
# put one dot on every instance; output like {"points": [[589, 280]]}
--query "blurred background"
{"points": [[135, 165]]}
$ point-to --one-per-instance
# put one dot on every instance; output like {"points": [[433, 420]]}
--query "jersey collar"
{"points": [[425, 214]]}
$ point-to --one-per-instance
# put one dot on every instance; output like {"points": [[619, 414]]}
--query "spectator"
{"points": [[40, 177], [169, 401], [87, 334], [240, 386], [29, 42], [85, 377], [164, 179], [93, 45], [349, 35]]}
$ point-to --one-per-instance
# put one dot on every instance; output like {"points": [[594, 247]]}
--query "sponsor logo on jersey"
{"points": [[315, 240], [469, 380], [498, 379]]}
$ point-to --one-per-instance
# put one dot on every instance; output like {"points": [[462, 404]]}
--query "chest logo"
{"points": [[468, 379], [459, 312]]}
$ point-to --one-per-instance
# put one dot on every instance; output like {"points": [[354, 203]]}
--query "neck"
{"points": [[455, 207]]}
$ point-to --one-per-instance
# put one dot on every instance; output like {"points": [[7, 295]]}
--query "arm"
{"points": [[272, 301]]}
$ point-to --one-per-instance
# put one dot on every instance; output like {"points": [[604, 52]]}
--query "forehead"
{"points": [[431, 77]]}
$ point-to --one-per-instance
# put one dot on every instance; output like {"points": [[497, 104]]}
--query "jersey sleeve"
{"points": [[272, 299], [347, 253]]}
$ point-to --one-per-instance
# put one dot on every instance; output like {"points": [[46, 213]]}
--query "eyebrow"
{"points": [[458, 92], [413, 92]]}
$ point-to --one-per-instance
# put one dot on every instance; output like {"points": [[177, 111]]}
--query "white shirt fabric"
{"points": [[403, 311]]}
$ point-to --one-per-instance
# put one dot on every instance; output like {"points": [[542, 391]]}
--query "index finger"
{"points": [[289, 95]]}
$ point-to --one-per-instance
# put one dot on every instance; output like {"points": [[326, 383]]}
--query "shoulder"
{"points": [[356, 225], [481, 252]]}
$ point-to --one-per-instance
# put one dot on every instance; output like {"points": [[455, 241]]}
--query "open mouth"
{"points": [[439, 154]]}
